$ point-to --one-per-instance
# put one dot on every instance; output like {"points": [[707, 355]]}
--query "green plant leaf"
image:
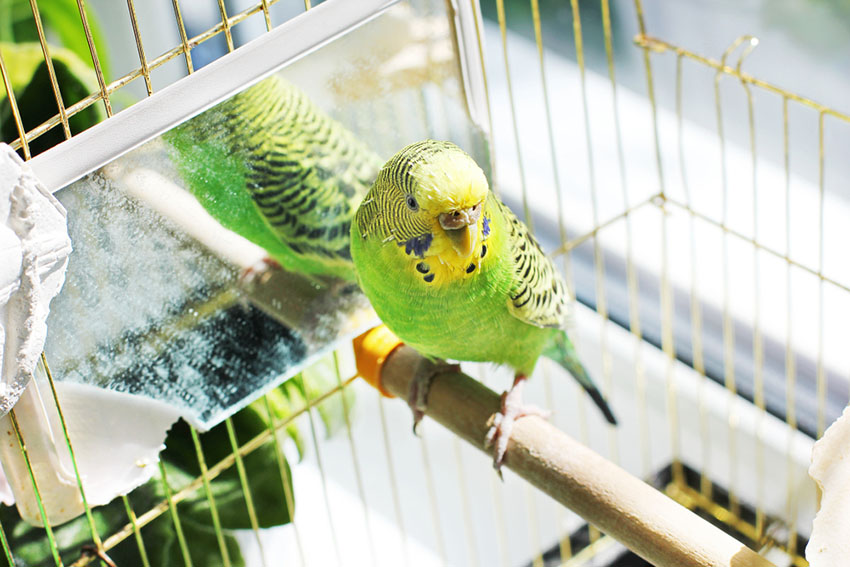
{"points": [[62, 18], [265, 482], [20, 26], [29, 544], [163, 547], [264, 477], [201, 542], [35, 97], [7, 33]]}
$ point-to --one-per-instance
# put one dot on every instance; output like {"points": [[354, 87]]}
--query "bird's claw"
{"points": [[420, 385], [259, 272], [503, 422]]}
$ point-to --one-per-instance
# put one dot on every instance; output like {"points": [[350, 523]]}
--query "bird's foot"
{"points": [[417, 397], [259, 272], [503, 422]]}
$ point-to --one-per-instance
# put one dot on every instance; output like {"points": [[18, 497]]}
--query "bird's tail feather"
{"points": [[562, 351]]}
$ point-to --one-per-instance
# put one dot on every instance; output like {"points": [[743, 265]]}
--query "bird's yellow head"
{"points": [[429, 198]]}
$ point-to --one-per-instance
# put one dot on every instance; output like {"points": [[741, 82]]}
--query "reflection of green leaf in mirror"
{"points": [[62, 18], [34, 94]]}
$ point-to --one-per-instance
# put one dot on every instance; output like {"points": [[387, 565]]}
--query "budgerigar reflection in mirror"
{"points": [[271, 166]]}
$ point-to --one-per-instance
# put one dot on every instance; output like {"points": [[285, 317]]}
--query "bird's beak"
{"points": [[461, 227]]}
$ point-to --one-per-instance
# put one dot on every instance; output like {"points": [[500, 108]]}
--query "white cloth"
{"points": [[830, 541], [117, 437], [34, 248]]}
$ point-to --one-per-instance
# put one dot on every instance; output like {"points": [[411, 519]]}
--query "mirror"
{"points": [[210, 264]]}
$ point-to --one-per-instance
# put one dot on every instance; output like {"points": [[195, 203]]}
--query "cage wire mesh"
{"points": [[709, 255]]}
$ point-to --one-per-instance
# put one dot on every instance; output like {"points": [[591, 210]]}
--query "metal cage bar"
{"points": [[284, 477], [181, 27], [60, 104], [175, 516], [147, 65], [358, 475], [315, 438], [16, 114], [107, 105], [246, 488], [661, 200], [500, 6], [145, 69], [51, 539], [202, 462], [92, 527], [137, 533]]}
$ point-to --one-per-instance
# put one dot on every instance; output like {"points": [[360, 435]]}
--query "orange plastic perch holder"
{"points": [[371, 350]]}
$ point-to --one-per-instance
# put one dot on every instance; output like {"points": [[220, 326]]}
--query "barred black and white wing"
{"points": [[307, 173], [272, 166], [538, 295]]}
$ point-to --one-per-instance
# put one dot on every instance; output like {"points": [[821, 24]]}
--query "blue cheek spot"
{"points": [[418, 245], [486, 227]]}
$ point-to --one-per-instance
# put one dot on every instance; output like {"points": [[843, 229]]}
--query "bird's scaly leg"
{"points": [[503, 422], [417, 397]]}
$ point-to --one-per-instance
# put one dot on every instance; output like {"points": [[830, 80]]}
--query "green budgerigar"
{"points": [[273, 167], [456, 275]]}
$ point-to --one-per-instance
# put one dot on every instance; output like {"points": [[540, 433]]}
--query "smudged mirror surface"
{"points": [[162, 300]]}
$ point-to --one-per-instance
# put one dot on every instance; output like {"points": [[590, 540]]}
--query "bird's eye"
{"points": [[411, 203]]}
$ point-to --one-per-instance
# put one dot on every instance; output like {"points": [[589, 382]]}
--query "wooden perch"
{"points": [[621, 505]]}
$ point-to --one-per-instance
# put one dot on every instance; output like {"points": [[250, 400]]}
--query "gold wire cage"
{"points": [[669, 201]]}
